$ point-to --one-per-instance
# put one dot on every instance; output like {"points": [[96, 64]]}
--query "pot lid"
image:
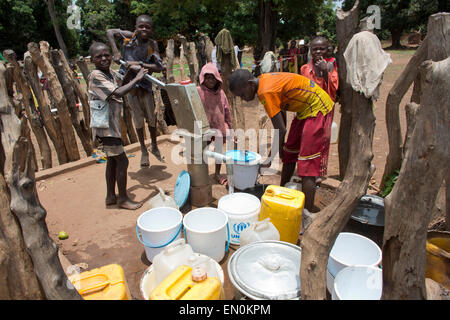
{"points": [[242, 155], [182, 185], [370, 210], [267, 270]]}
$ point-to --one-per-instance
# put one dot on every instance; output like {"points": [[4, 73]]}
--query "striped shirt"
{"points": [[101, 87]]}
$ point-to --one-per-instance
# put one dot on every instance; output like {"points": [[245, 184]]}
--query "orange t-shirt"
{"points": [[292, 92], [331, 87]]}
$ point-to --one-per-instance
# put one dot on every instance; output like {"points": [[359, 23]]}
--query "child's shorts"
{"points": [[112, 146], [142, 107], [308, 144]]}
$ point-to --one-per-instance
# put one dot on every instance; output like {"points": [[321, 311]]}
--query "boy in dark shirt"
{"points": [[139, 49]]}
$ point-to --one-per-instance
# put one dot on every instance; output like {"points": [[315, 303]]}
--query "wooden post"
{"points": [[71, 98], [319, 237], [44, 108], [17, 277], [398, 90], [169, 61], [30, 110], [189, 54], [208, 49], [346, 25], [182, 62], [81, 94], [409, 205], [40, 58], [81, 63], [25, 205], [161, 123]]}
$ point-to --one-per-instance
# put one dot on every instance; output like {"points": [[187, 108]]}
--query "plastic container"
{"points": [[334, 133], [161, 200], [358, 283], [148, 280], [245, 168], [186, 283], [104, 283], [351, 249], [259, 231], [175, 254], [158, 227], [438, 257], [242, 210], [206, 230], [284, 207]]}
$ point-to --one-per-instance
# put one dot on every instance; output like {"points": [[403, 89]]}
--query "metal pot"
{"points": [[266, 270]]}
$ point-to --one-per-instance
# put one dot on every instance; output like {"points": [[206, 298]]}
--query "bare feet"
{"points": [[110, 200], [129, 204], [144, 159], [157, 154]]}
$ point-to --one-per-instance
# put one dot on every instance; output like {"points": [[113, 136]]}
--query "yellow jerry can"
{"points": [[438, 257], [284, 207], [104, 283], [186, 283]]}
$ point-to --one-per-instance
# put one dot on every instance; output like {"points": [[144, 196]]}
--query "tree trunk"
{"points": [[51, 11], [169, 61], [44, 109], [411, 110], [30, 110], [208, 49], [267, 30], [346, 25], [161, 122], [189, 54], [396, 35], [409, 205], [40, 59], [319, 237], [84, 68], [69, 93]]}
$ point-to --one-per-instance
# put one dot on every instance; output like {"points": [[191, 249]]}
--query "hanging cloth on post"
{"points": [[366, 62], [225, 45]]}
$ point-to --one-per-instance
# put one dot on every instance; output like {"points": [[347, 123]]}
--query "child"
{"points": [[139, 49], [103, 86], [216, 107], [319, 69], [308, 140]]}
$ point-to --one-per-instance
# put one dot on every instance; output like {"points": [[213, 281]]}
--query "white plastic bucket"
{"points": [[351, 249], [246, 173], [158, 227], [206, 230], [358, 283], [242, 210]]}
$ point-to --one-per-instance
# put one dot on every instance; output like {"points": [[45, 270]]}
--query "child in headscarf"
{"points": [[216, 107]]}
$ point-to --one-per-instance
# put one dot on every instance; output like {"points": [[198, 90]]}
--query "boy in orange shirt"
{"points": [[308, 140]]}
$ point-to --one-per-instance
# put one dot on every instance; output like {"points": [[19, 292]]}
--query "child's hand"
{"points": [[322, 65], [134, 68], [116, 57], [141, 74]]}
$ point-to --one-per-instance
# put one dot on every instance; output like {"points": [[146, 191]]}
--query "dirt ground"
{"points": [[99, 236]]}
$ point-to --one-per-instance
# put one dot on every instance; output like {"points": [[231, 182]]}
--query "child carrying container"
{"points": [[217, 109]]}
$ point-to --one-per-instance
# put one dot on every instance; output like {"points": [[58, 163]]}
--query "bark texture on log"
{"points": [[30, 110], [49, 122], [19, 175], [398, 90], [169, 60], [68, 89], [319, 237], [346, 26], [40, 58], [82, 64], [409, 205], [127, 117], [411, 110]]}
